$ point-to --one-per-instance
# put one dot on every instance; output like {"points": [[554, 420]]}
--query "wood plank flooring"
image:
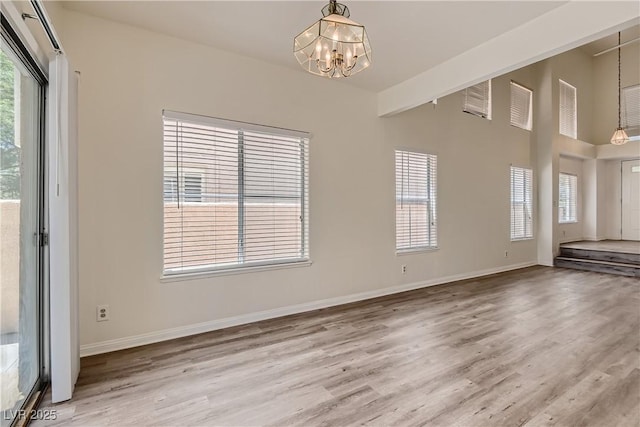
{"points": [[538, 346]]}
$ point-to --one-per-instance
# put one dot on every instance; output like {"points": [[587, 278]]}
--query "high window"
{"points": [[521, 203], [477, 100], [568, 198], [568, 110], [235, 194], [631, 111], [521, 106], [416, 214]]}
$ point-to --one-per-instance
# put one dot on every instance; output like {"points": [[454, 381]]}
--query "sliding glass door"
{"points": [[21, 213]]}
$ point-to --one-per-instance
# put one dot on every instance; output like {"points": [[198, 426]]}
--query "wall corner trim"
{"points": [[198, 328]]}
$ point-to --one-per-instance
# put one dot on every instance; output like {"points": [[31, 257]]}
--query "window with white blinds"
{"points": [[568, 110], [568, 199], [631, 111], [235, 194], [477, 100], [521, 106], [521, 203], [416, 195]]}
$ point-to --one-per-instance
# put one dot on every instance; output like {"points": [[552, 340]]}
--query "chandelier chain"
{"points": [[619, 84]]}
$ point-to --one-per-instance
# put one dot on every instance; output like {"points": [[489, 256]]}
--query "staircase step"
{"points": [[623, 269], [599, 255]]}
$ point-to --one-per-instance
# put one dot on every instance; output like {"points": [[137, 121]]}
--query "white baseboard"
{"points": [[198, 328]]}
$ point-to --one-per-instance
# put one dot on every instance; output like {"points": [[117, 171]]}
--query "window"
{"points": [[477, 100], [521, 106], [568, 198], [631, 111], [415, 201], [568, 110], [521, 203], [235, 194], [191, 184], [193, 188], [170, 187]]}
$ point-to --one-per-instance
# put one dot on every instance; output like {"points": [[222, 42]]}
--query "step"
{"points": [[598, 255], [622, 269]]}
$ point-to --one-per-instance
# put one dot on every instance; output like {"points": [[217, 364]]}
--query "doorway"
{"points": [[21, 223], [631, 200]]}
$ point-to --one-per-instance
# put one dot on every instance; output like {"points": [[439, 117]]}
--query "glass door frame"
{"points": [[11, 39]]}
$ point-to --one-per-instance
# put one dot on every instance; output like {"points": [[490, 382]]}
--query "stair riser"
{"points": [[601, 256], [630, 271]]}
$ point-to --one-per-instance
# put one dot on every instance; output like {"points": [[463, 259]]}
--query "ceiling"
{"points": [[612, 40], [407, 37]]}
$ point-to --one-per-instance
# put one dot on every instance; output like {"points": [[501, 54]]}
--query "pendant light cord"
{"points": [[619, 84]]}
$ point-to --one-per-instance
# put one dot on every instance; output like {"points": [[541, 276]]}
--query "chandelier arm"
{"points": [[327, 70], [355, 61]]}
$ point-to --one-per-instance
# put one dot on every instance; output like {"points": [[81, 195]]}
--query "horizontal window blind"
{"points": [[521, 106], [416, 196], [521, 203], [568, 110], [477, 100], [234, 194], [568, 198], [631, 110]]}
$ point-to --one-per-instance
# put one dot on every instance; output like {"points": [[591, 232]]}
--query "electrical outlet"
{"points": [[404, 268], [102, 313], [506, 254]]}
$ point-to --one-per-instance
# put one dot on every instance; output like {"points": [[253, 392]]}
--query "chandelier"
{"points": [[335, 46], [619, 136]]}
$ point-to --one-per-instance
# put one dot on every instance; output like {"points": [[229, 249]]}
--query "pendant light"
{"points": [[619, 136], [335, 46]]}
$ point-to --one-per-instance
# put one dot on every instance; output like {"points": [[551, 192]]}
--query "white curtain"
{"points": [[63, 227]]}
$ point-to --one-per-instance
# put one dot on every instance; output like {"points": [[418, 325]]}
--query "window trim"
{"points": [[216, 272], [575, 221], [533, 236], [422, 248], [575, 108], [633, 131], [210, 270], [489, 101], [529, 126]]}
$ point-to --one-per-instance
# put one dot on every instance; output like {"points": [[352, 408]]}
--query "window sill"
{"points": [[181, 277], [416, 251], [567, 222], [523, 239]]}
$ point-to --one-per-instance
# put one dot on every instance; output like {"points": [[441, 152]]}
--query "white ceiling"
{"points": [[612, 40], [407, 37]]}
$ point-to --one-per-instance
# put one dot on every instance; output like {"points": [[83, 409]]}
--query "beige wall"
{"points": [[130, 75]]}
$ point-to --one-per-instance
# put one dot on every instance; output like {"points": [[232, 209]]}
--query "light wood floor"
{"points": [[538, 346], [623, 246]]}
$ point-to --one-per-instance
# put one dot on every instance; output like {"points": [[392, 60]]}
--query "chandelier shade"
{"points": [[619, 137], [335, 46]]}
